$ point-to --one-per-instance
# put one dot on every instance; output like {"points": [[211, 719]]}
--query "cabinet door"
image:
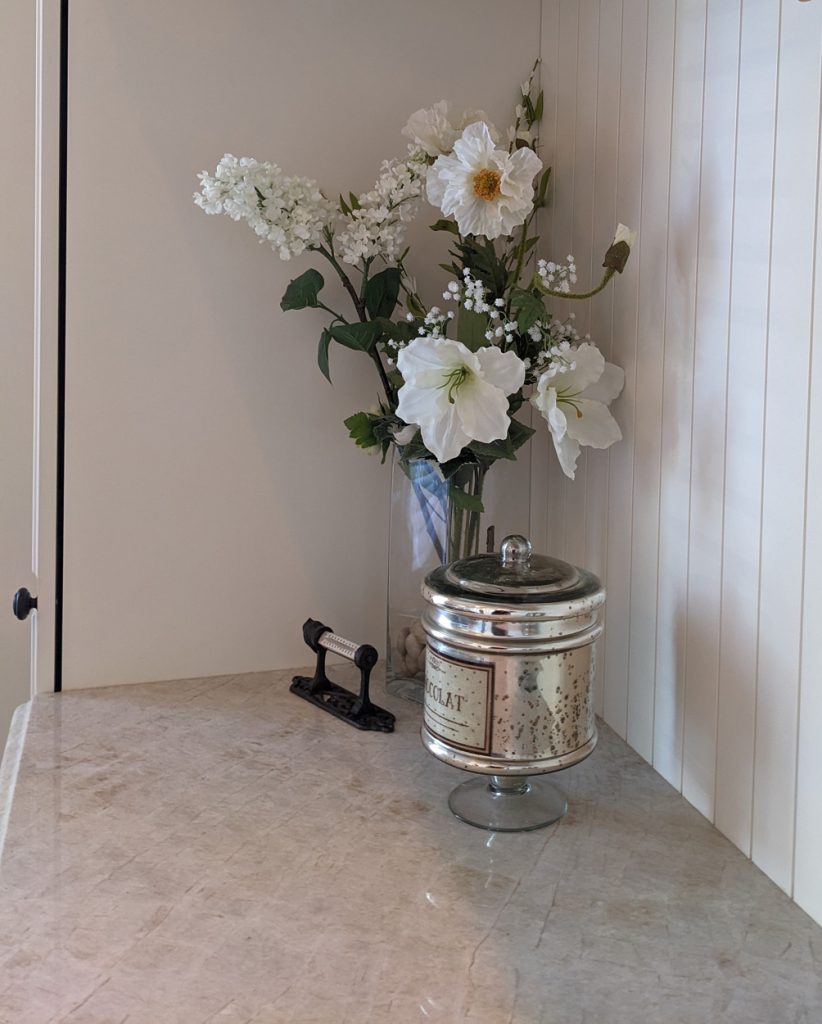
{"points": [[22, 362]]}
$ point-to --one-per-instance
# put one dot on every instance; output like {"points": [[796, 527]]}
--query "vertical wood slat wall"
{"points": [[697, 122]]}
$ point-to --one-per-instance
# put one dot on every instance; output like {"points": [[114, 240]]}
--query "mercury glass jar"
{"points": [[510, 665]]}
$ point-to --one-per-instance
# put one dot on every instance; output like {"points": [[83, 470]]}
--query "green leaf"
{"points": [[471, 328], [444, 224], [322, 354], [303, 291], [414, 306], [518, 434], [354, 202], [346, 209], [527, 308], [361, 430], [539, 106], [501, 449], [529, 109], [360, 337], [382, 291], [543, 187], [470, 502], [404, 330]]}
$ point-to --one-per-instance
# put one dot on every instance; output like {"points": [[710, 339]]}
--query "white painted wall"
{"points": [[211, 505], [697, 122], [213, 498]]}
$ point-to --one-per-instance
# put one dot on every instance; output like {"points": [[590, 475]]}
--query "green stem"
{"points": [[537, 282], [328, 309], [359, 305], [386, 383]]}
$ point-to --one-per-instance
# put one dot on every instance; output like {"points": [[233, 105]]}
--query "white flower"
{"points": [[289, 213], [377, 228], [489, 191], [434, 130], [455, 395], [573, 396], [624, 234], [406, 434]]}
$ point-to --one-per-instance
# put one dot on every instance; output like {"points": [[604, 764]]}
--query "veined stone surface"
{"points": [[220, 852]]}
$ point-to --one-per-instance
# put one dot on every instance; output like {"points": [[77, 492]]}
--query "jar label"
{"points": [[458, 702]]}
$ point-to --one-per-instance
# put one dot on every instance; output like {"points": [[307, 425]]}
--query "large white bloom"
{"points": [[455, 395], [289, 213], [488, 191], [435, 129], [573, 396]]}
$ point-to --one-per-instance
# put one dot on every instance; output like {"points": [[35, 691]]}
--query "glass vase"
{"points": [[434, 521]]}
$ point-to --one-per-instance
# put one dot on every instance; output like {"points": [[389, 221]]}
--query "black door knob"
{"points": [[23, 603]]}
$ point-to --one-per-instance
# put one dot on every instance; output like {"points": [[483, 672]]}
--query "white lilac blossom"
{"points": [[434, 130], [488, 191], [573, 395], [456, 396], [290, 213], [377, 228]]}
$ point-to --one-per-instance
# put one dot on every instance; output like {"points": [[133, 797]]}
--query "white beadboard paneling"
{"points": [[541, 447], [620, 496], [808, 838], [705, 521], [716, 207], [581, 245], [783, 498], [653, 233], [677, 388], [744, 419], [559, 244], [606, 154]]}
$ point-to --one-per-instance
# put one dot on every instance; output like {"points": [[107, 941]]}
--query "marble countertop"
{"points": [[219, 852]]}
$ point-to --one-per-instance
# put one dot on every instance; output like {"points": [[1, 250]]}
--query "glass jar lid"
{"points": [[515, 575]]}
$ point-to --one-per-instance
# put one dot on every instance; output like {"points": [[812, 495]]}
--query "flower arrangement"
{"points": [[453, 377]]}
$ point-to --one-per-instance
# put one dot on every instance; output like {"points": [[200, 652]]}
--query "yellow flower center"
{"points": [[486, 184]]}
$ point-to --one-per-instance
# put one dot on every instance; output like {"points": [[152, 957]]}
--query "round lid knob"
{"points": [[515, 550]]}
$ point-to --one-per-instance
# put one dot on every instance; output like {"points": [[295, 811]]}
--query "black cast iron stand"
{"points": [[356, 709]]}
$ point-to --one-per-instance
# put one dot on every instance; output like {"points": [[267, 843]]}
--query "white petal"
{"points": [[483, 411], [624, 234], [475, 145], [591, 424], [567, 450], [425, 361], [445, 436], [609, 385], [524, 165], [431, 129], [440, 425], [472, 116], [545, 399], [406, 434], [421, 405], [477, 216], [590, 366], [435, 185], [504, 370]]}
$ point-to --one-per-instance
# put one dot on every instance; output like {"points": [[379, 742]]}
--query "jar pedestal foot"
{"points": [[508, 803]]}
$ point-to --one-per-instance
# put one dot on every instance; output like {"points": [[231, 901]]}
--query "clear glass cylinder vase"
{"points": [[434, 521]]}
